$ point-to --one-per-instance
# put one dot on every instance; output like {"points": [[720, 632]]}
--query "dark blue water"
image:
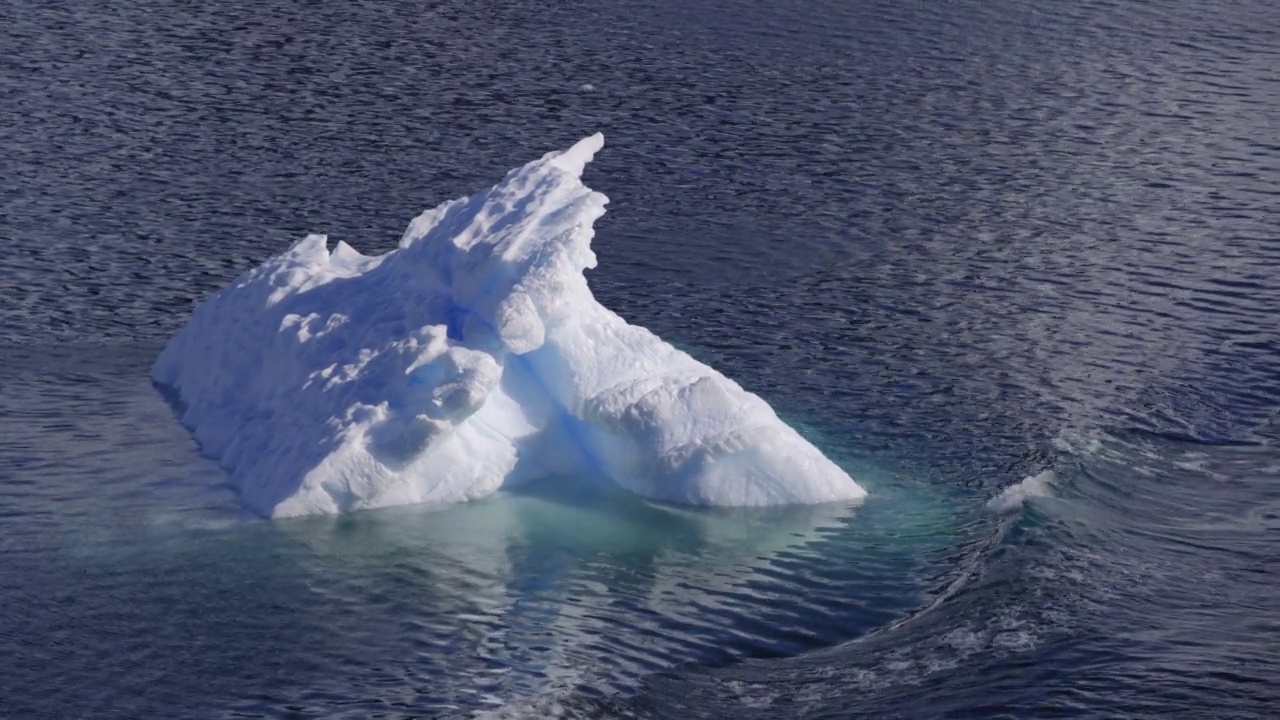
{"points": [[959, 244]]}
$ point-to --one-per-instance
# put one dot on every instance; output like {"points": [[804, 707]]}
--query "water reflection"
{"points": [[564, 584]]}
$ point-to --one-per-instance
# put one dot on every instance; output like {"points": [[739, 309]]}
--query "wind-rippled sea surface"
{"points": [[1015, 264]]}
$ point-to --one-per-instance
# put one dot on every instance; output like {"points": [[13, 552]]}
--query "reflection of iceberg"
{"points": [[524, 598], [471, 358]]}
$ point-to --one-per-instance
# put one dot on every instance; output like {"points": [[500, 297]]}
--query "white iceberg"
{"points": [[1016, 496], [471, 358]]}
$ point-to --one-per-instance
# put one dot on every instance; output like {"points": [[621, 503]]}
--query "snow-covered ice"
{"points": [[472, 357]]}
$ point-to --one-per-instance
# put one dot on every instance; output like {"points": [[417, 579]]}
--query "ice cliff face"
{"points": [[472, 357]]}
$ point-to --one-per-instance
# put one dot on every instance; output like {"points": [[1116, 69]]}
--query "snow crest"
{"points": [[471, 358]]}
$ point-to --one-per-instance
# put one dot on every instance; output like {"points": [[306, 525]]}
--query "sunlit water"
{"points": [[957, 244]]}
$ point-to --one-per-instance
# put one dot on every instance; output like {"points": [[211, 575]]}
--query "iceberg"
{"points": [[1016, 496], [471, 358]]}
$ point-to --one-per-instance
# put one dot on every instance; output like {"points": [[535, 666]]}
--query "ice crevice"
{"points": [[472, 357]]}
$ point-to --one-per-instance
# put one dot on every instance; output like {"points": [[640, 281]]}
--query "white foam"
{"points": [[1081, 443], [472, 357], [1015, 496]]}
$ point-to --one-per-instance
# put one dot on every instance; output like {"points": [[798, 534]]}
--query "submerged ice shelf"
{"points": [[472, 357]]}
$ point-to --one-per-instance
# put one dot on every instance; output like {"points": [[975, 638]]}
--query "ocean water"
{"points": [[1014, 263]]}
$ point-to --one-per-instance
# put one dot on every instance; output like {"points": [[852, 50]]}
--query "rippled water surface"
{"points": [[959, 244]]}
